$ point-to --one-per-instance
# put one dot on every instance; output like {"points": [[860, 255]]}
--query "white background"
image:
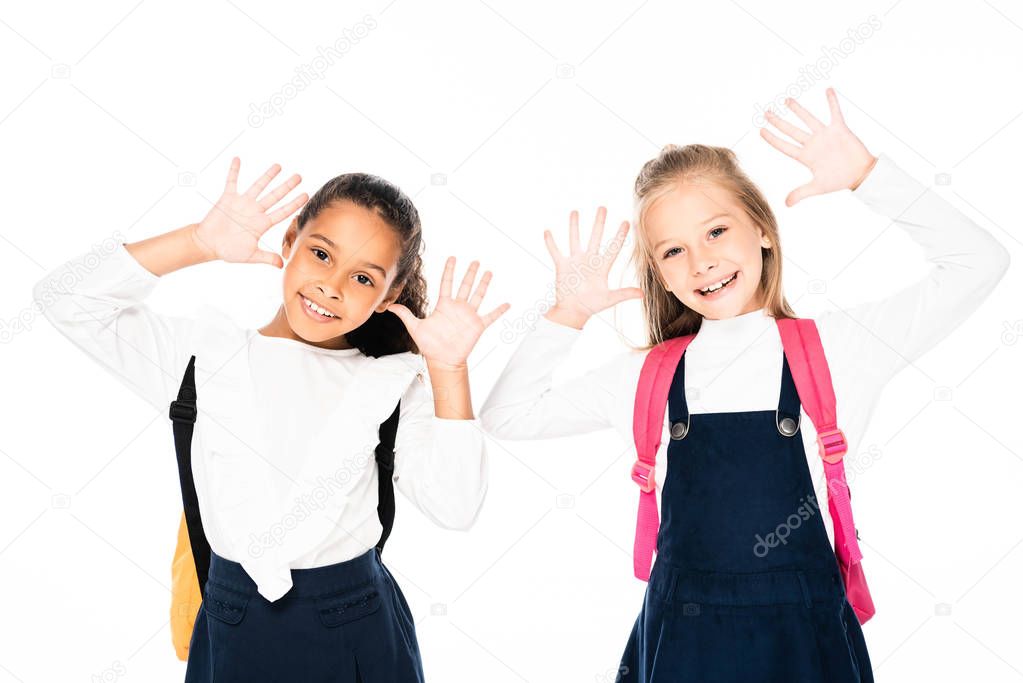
{"points": [[499, 118]]}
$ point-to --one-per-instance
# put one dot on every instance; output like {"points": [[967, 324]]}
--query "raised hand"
{"points": [[232, 228], [836, 157], [581, 277], [447, 335]]}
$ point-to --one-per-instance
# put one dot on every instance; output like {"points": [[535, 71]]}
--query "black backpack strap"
{"points": [[385, 474], [183, 413]]}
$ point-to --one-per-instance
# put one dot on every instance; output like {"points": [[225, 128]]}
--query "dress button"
{"points": [[787, 426], [678, 430]]}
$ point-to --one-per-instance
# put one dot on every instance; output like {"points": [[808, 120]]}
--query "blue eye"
{"points": [[720, 228]]}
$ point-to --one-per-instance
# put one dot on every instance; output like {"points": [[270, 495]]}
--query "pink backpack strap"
{"points": [[647, 423], [810, 372]]}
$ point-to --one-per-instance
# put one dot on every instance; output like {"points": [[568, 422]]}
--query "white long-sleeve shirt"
{"points": [[283, 447], [735, 364]]}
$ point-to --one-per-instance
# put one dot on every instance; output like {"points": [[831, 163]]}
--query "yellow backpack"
{"points": [[191, 564], [185, 595]]}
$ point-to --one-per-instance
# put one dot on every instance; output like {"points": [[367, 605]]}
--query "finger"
{"points": [[445, 279], [232, 176], [801, 193], [489, 318], [267, 257], [288, 209], [405, 315], [573, 233], [481, 290], [279, 192], [809, 119], [467, 280], [263, 181], [781, 145], [616, 245], [598, 230], [552, 248], [794, 132], [836, 111]]}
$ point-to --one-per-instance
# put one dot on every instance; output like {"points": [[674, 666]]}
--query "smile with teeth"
{"points": [[717, 285], [319, 310]]}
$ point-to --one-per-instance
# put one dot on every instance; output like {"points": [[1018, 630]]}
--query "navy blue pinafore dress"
{"points": [[746, 586], [342, 623]]}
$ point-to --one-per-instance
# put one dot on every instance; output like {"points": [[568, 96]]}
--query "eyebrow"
{"points": [[705, 221], [334, 246]]}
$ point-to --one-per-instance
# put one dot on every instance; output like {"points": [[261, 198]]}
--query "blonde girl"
{"points": [[726, 601]]}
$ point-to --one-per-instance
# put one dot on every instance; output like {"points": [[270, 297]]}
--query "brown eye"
{"points": [[369, 283], [319, 251]]}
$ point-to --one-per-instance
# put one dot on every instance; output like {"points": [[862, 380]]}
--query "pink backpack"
{"points": [[812, 378]]}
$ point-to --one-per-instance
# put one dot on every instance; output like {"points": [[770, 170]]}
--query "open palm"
{"points": [[835, 156], [581, 277], [233, 227], [451, 330]]}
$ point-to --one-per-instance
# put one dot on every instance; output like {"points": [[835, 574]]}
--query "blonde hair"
{"points": [[665, 316]]}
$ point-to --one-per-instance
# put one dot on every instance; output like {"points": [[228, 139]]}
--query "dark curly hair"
{"points": [[384, 333]]}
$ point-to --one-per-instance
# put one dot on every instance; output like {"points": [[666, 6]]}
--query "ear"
{"points": [[290, 235], [765, 241], [391, 297]]}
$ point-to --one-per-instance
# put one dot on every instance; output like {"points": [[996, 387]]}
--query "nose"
{"points": [[329, 292], [703, 262]]}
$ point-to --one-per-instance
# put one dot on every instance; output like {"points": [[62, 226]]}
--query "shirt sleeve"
{"points": [[525, 404], [97, 302], [877, 339], [440, 464]]}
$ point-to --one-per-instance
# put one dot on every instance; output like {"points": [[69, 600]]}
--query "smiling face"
{"points": [[700, 236], [341, 270]]}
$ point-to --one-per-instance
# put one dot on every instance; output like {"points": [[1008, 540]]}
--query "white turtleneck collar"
{"points": [[734, 364], [739, 329]]}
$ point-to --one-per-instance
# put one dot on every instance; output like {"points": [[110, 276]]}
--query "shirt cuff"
{"points": [[455, 421], [548, 327], [131, 264], [888, 189]]}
